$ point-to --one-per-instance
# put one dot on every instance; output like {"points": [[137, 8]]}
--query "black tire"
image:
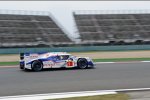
{"points": [[82, 63], [37, 66], [21, 67]]}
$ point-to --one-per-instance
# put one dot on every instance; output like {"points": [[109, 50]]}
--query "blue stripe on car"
{"points": [[21, 62], [54, 59], [90, 63]]}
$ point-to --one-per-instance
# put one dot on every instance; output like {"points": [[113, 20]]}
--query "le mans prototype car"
{"points": [[39, 61]]}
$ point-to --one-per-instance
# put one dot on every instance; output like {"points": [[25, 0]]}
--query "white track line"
{"points": [[104, 62], [56, 95], [69, 94], [120, 62], [145, 61]]}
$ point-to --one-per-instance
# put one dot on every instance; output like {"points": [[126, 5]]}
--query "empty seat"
{"points": [[30, 29], [95, 27]]}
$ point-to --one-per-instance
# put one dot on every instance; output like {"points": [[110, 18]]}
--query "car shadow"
{"points": [[59, 69]]}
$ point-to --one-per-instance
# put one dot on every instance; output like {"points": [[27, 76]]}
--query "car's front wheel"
{"points": [[82, 63], [37, 66]]}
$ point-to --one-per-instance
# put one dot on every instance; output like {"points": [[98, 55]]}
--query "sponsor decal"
{"points": [[48, 64], [32, 56]]}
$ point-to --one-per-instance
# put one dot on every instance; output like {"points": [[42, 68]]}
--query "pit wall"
{"points": [[75, 49]]}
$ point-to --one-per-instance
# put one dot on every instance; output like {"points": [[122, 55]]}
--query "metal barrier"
{"points": [[75, 49]]}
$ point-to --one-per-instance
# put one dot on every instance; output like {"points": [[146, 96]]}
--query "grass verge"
{"points": [[9, 63], [95, 60], [118, 96]]}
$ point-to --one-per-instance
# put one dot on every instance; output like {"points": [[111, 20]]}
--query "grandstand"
{"points": [[20, 30], [36, 29], [113, 27]]}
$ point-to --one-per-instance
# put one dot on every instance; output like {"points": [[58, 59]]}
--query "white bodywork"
{"points": [[50, 60]]}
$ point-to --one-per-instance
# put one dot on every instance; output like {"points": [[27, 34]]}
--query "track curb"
{"points": [[70, 94]]}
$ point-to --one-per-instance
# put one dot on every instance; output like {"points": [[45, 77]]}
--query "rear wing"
{"points": [[21, 56]]}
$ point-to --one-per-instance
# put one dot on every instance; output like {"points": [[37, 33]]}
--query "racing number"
{"points": [[70, 63]]}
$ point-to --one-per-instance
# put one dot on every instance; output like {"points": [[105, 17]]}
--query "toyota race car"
{"points": [[39, 61]]}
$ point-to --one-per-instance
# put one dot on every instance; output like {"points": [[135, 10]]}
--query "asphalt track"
{"points": [[13, 81]]}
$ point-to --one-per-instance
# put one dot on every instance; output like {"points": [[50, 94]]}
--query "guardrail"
{"points": [[75, 49]]}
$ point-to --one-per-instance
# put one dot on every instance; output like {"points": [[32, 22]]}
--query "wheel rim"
{"points": [[83, 64], [37, 66]]}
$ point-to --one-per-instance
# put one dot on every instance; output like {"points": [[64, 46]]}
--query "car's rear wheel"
{"points": [[37, 66], [82, 63]]}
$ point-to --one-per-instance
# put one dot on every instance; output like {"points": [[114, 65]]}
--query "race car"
{"points": [[39, 61]]}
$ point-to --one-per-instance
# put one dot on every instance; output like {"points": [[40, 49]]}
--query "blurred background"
{"points": [[89, 25]]}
